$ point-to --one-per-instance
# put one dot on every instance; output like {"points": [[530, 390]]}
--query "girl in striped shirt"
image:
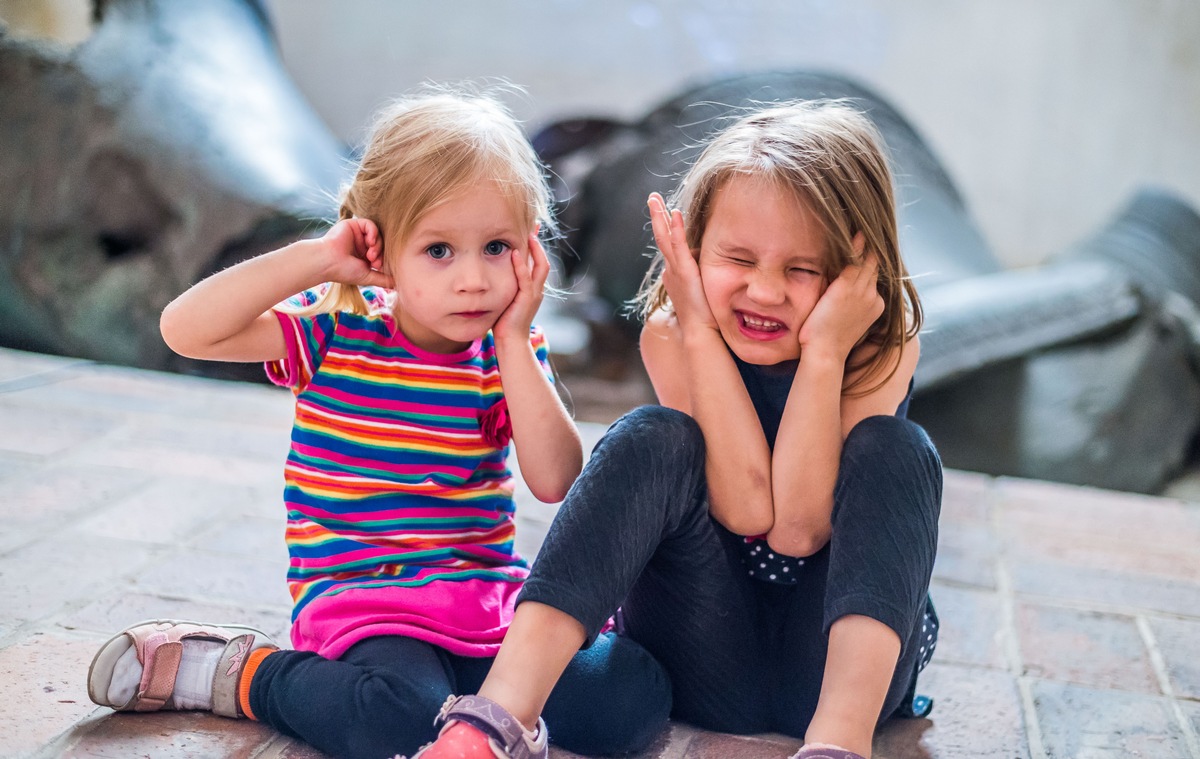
{"points": [[413, 361]]}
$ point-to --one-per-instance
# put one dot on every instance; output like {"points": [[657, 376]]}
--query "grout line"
{"points": [[1012, 646], [48, 377], [1164, 682]]}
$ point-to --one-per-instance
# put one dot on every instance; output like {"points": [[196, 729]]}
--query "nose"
{"points": [[470, 274], [765, 287]]}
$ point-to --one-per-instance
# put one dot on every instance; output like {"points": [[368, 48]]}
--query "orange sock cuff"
{"points": [[252, 661]]}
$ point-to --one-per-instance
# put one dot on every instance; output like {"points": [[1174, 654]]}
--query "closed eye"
{"points": [[806, 272]]}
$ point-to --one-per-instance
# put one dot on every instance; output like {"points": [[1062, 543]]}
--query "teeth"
{"points": [[765, 325]]}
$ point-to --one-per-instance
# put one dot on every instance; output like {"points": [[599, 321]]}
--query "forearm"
{"points": [[737, 462], [807, 454], [228, 302], [546, 438]]}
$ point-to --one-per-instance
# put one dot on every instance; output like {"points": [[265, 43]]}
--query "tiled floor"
{"points": [[1071, 617]]}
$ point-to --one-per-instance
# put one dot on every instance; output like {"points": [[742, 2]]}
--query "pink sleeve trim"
{"points": [[286, 372]]}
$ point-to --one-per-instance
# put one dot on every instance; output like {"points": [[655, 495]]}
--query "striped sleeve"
{"points": [[541, 349], [307, 339]]}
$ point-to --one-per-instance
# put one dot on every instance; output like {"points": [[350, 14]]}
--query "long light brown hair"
{"points": [[423, 150], [832, 158]]}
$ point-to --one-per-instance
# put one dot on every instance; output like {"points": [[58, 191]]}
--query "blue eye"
{"points": [[496, 248], [438, 251]]}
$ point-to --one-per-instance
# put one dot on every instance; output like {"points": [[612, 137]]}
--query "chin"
{"points": [[763, 353]]}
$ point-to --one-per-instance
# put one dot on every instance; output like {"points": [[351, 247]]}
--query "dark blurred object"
{"points": [[169, 145], [1083, 370]]}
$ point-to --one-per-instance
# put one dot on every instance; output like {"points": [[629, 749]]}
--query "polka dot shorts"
{"points": [[764, 564], [768, 566]]}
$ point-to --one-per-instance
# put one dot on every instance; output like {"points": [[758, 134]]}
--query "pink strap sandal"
{"points": [[159, 644], [506, 736]]}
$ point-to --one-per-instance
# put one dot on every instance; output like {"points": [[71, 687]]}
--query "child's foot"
{"points": [[824, 751], [166, 664], [479, 728]]}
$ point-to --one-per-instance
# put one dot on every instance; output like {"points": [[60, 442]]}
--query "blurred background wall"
{"points": [[1047, 114]]}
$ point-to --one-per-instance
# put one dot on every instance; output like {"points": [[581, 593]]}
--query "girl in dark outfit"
{"points": [[769, 530]]}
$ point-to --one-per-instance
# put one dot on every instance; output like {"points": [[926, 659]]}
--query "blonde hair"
{"points": [[831, 157], [425, 148]]}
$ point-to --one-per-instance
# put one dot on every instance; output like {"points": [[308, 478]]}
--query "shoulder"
{"points": [[663, 356], [881, 385]]}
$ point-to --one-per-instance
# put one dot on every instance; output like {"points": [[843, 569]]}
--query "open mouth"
{"points": [[760, 327]]}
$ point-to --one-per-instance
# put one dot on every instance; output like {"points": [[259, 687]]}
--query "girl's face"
{"points": [[454, 273], [762, 265]]}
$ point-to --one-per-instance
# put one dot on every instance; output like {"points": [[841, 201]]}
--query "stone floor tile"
{"points": [[37, 581], [1103, 588], [966, 497], [134, 392], [48, 497], [1179, 642], [221, 578], [14, 464], [966, 554], [151, 459], [299, 750], [43, 687], [671, 743], [21, 365], [261, 441], [1086, 648], [1098, 518], [170, 735], [163, 513], [721, 746], [49, 432], [261, 537], [1099, 724], [109, 615], [971, 626], [976, 713]]}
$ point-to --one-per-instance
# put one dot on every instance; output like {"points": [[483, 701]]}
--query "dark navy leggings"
{"points": [[381, 696], [744, 656]]}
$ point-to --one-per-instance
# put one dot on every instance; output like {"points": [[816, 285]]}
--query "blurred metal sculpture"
{"points": [[1083, 370], [167, 146]]}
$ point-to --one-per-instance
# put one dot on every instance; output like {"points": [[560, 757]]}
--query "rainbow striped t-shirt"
{"points": [[399, 510]]}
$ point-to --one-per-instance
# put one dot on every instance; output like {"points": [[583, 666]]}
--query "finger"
{"points": [[678, 235], [379, 279], [541, 262], [661, 221], [521, 268]]}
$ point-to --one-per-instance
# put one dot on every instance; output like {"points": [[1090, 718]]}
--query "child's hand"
{"points": [[681, 273], [355, 254], [846, 310], [532, 269]]}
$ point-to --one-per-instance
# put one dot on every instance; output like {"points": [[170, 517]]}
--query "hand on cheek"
{"points": [[531, 270]]}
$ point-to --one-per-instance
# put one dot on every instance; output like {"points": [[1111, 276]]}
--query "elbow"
{"points": [[747, 525], [550, 492], [798, 541], [554, 489]]}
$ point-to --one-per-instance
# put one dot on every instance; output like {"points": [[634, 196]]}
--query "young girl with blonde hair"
{"points": [[412, 371], [769, 530]]}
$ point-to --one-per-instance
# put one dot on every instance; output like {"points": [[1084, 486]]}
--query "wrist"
{"points": [[821, 356], [701, 335]]}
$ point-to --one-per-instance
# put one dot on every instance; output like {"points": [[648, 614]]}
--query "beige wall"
{"points": [[1047, 114], [64, 20]]}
